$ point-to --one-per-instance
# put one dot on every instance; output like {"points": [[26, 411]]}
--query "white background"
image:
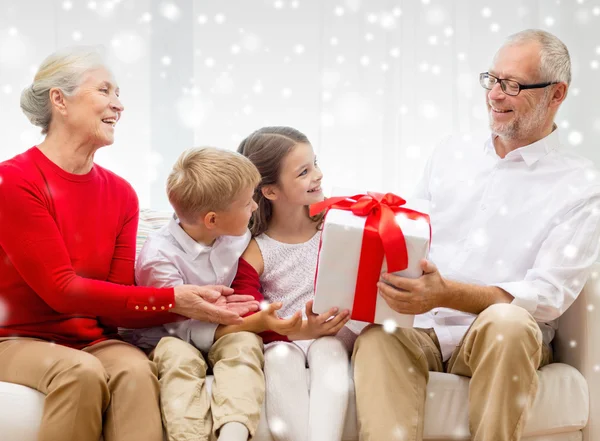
{"points": [[374, 84]]}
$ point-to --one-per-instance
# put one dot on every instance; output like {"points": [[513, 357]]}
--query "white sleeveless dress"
{"points": [[289, 276]]}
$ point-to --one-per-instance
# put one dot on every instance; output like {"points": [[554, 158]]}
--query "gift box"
{"points": [[364, 235]]}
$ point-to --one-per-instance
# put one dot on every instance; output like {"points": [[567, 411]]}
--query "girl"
{"points": [[282, 257]]}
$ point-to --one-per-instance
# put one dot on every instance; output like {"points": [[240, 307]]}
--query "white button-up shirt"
{"points": [[170, 257], [528, 223]]}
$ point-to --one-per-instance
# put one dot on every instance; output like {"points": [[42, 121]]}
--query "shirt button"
{"points": [[154, 308], [145, 308]]}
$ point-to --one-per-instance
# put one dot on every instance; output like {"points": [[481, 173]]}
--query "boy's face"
{"points": [[233, 221]]}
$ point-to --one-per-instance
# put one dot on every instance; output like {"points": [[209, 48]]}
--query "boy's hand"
{"points": [[318, 325], [273, 323]]}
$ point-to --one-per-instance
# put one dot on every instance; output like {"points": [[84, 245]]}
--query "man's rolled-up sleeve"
{"points": [[562, 265]]}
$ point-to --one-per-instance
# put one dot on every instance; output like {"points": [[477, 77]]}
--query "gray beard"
{"points": [[520, 127]]}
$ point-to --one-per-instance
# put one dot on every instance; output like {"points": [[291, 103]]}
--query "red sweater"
{"points": [[247, 281], [67, 254]]}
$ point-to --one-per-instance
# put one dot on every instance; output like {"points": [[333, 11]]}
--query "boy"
{"points": [[211, 191]]}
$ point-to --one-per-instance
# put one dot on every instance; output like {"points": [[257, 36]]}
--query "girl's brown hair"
{"points": [[266, 149]]}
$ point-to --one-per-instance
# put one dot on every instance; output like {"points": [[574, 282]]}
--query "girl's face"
{"points": [[300, 178]]}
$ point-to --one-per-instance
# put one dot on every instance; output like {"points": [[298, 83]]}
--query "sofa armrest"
{"points": [[577, 343]]}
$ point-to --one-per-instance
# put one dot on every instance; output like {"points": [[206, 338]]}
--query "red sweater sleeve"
{"points": [[247, 281], [35, 246]]}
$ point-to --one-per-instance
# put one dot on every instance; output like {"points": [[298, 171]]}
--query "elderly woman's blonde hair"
{"points": [[208, 179], [64, 70]]}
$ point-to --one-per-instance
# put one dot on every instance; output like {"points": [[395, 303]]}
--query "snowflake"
{"points": [[389, 326], [549, 21], [435, 16], [396, 12], [235, 49], [340, 59], [92, 5], [76, 35], [522, 400], [146, 17], [299, 49], [170, 11], [424, 67], [486, 12], [594, 64], [333, 41], [257, 87], [372, 18], [515, 378], [596, 10], [573, 344], [277, 426], [220, 18], [590, 307], [387, 21], [128, 47], [364, 60], [570, 251], [327, 119], [500, 337], [339, 11], [411, 370], [286, 92], [494, 27], [575, 91], [384, 67], [202, 19], [295, 4], [413, 152], [209, 62], [166, 60], [7, 89], [251, 42], [395, 52], [597, 368], [369, 36], [264, 305], [433, 40], [448, 31], [435, 69], [431, 394], [278, 4], [461, 56], [399, 433], [67, 5]]}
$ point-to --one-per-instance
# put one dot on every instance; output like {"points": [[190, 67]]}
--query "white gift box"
{"points": [[341, 243]]}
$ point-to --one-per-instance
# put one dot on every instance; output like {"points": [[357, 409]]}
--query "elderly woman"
{"points": [[67, 251]]}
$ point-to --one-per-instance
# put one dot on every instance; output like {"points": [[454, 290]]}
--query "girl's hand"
{"points": [[320, 325], [285, 327]]}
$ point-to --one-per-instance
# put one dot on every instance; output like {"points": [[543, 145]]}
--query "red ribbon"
{"points": [[382, 236]]}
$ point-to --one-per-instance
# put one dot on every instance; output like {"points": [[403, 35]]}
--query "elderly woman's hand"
{"points": [[206, 303]]}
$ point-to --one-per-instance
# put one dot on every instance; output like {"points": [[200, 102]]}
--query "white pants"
{"points": [[294, 413]]}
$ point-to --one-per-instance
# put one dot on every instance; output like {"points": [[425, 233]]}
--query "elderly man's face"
{"points": [[95, 108], [521, 116]]}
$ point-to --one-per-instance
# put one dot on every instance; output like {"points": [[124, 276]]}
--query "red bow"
{"points": [[382, 236]]}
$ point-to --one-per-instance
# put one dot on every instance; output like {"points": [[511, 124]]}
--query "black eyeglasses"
{"points": [[509, 87]]}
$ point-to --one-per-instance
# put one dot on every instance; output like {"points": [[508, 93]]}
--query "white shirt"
{"points": [[170, 257], [528, 223]]}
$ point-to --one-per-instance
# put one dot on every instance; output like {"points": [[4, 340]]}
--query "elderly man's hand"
{"points": [[205, 303], [414, 296]]}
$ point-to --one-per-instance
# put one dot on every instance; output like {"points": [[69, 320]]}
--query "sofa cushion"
{"points": [[150, 220], [561, 407]]}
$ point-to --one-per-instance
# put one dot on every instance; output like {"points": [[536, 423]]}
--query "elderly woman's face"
{"points": [[95, 108]]}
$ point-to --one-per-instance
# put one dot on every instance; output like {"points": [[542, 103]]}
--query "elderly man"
{"points": [[515, 221]]}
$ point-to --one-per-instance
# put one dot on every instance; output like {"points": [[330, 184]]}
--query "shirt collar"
{"points": [[533, 152], [189, 245]]}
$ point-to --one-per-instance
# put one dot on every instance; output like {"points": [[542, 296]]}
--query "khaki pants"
{"points": [[500, 353], [109, 388], [238, 389]]}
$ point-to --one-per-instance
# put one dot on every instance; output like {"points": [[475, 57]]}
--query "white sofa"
{"points": [[567, 407]]}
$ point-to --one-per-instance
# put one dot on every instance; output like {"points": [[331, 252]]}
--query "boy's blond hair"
{"points": [[208, 179]]}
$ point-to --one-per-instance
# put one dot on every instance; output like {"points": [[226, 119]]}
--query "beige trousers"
{"points": [[238, 389], [500, 353], [109, 388]]}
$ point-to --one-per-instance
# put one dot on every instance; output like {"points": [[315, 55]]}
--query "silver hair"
{"points": [[555, 61], [64, 70]]}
